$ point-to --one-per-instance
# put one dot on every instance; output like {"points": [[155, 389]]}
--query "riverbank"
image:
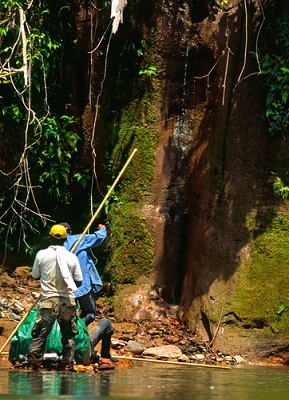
{"points": [[162, 339]]}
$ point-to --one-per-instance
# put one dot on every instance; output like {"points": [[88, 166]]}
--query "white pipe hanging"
{"points": [[117, 7]]}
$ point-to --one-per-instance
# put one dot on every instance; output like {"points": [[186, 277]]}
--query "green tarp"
{"points": [[20, 343]]}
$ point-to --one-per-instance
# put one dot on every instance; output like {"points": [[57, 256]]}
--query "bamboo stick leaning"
{"points": [[104, 200], [76, 244], [187, 364]]}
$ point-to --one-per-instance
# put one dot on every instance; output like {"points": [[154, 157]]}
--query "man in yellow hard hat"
{"points": [[60, 274]]}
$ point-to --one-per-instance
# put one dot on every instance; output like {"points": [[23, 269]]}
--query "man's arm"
{"points": [[76, 271], [36, 268], [92, 240]]}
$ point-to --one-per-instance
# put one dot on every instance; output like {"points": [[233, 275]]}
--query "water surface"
{"points": [[149, 381]]}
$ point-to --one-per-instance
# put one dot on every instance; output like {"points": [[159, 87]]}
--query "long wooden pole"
{"points": [[187, 364], [76, 244], [104, 200]]}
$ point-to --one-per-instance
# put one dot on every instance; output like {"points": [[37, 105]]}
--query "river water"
{"points": [[149, 381]]}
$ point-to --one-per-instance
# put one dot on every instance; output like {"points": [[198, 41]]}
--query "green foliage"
{"points": [[149, 70], [279, 189], [33, 115], [224, 4], [281, 309], [275, 74], [53, 157], [83, 177], [114, 199], [6, 4], [12, 112]]}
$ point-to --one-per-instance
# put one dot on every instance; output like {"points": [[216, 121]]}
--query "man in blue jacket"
{"points": [[91, 280]]}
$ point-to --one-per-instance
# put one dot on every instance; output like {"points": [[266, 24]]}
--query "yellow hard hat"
{"points": [[58, 232]]}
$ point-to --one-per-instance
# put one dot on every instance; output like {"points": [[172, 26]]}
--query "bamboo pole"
{"points": [[187, 364], [104, 200], [76, 244]]}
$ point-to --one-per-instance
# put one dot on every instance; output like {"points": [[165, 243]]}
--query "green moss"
{"points": [[131, 246], [136, 130], [262, 284]]}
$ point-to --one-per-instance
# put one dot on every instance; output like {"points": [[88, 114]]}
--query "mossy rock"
{"points": [[262, 281], [132, 250]]}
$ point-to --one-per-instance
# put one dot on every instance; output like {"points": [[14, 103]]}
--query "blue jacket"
{"points": [[91, 278]]}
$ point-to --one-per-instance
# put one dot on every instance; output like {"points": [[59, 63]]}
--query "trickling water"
{"points": [[171, 269], [182, 134]]}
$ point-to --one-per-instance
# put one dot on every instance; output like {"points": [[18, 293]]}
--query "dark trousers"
{"points": [[64, 311], [88, 307], [102, 332]]}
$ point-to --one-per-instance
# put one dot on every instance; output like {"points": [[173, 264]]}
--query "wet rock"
{"points": [[158, 342], [145, 341], [7, 281], [135, 347], [12, 315], [3, 304], [35, 295], [183, 358], [17, 307], [126, 337], [172, 339], [239, 359], [135, 304], [163, 352], [198, 357], [117, 344]]}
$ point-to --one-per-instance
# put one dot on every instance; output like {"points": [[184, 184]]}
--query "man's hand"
{"points": [[101, 226]]}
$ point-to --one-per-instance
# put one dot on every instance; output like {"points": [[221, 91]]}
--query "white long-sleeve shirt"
{"points": [[46, 268]]}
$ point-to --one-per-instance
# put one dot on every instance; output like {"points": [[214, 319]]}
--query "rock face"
{"points": [[213, 154], [210, 198], [212, 163]]}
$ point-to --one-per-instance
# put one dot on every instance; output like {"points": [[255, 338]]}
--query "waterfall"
{"points": [[177, 225], [182, 135]]}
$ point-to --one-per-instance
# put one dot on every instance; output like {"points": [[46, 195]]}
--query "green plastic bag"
{"points": [[21, 341], [82, 341]]}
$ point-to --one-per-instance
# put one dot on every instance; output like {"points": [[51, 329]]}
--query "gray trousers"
{"points": [[102, 332]]}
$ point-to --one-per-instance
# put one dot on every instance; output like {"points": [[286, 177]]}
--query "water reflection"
{"points": [[144, 381], [57, 383]]}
